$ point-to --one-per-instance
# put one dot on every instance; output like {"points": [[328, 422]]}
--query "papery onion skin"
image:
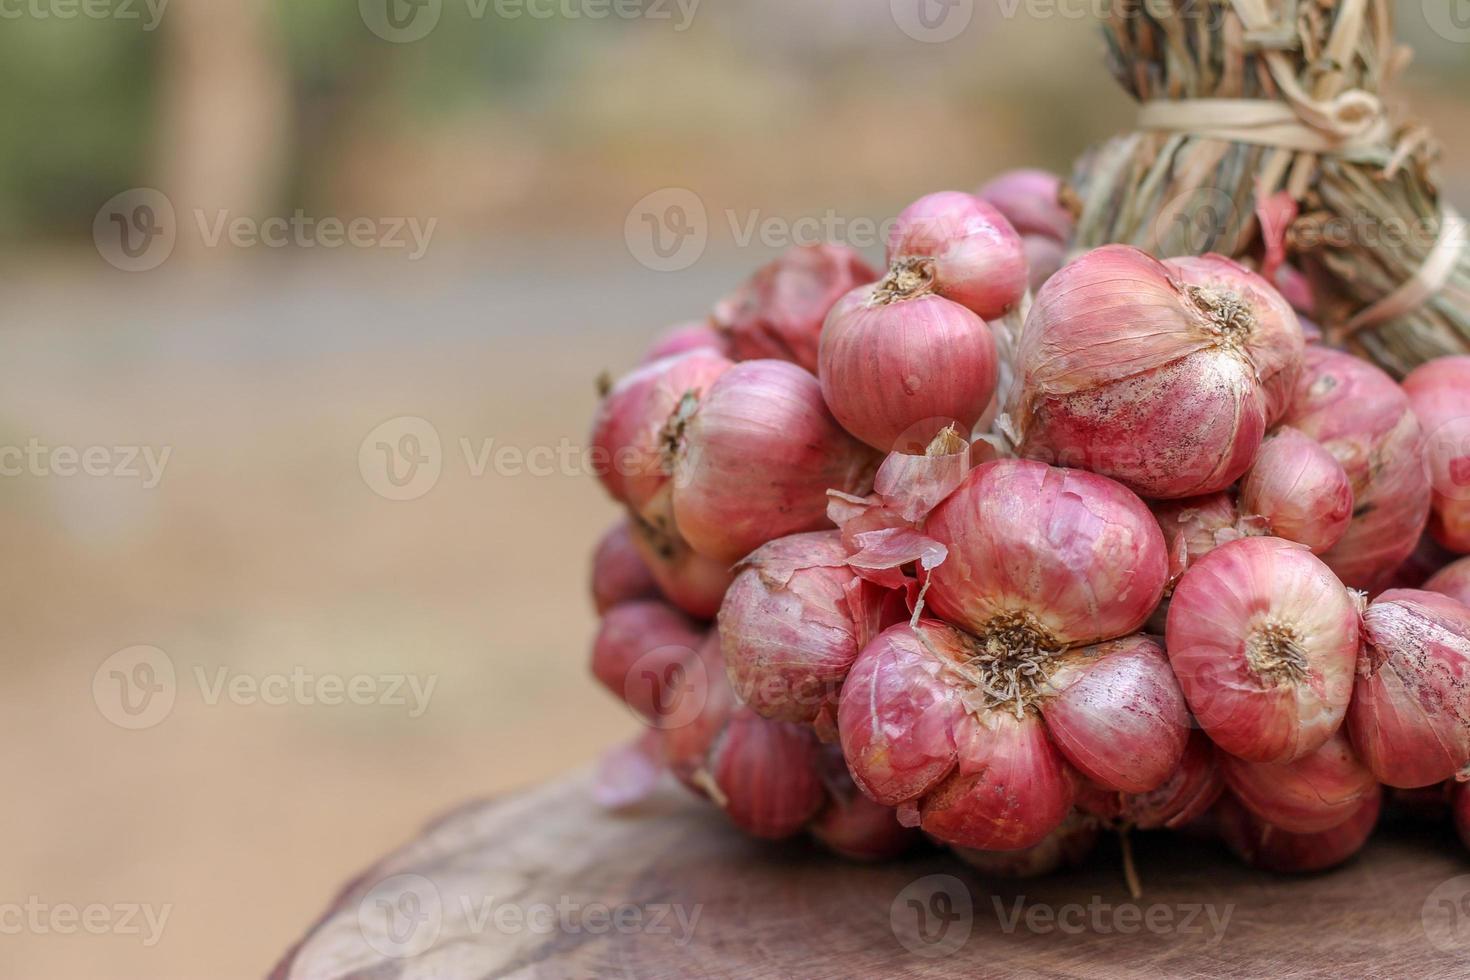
{"points": [[1263, 639], [756, 459], [769, 775], [978, 777], [1410, 717], [1196, 526], [1300, 490], [1189, 791], [1364, 419], [853, 826], [1269, 848], [688, 580], [1132, 370], [1066, 847], [1077, 553], [685, 337], [786, 628], [628, 430], [1117, 713], [778, 313], [1440, 394], [1315, 793], [641, 654], [976, 257], [618, 573], [1453, 580], [687, 745], [896, 373]]}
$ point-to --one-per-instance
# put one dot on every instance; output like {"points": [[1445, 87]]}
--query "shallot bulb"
{"points": [[1452, 580], [754, 458], [1440, 394], [787, 627], [1162, 376], [899, 364], [644, 654], [618, 573], [689, 580], [1299, 490], [1410, 717], [853, 826], [1269, 848], [1359, 415], [961, 248], [629, 441], [778, 313], [685, 337], [1263, 639], [1195, 527], [1315, 793], [1031, 201], [1191, 789], [1066, 847]]}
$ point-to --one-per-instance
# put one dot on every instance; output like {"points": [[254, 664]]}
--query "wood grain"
{"points": [[546, 884]]}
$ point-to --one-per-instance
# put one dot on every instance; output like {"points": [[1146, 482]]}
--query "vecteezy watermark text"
{"points": [[36, 459], [1103, 918], [40, 918], [148, 12], [406, 21]]}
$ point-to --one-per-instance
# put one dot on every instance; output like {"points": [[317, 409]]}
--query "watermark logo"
{"points": [[136, 231], [1450, 19], [401, 21], [1446, 916], [670, 684], [933, 21], [1199, 221], [933, 917], [401, 459], [135, 688], [401, 916], [668, 230]]}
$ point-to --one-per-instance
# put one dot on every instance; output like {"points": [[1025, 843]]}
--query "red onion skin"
{"points": [[1315, 793], [1075, 551], [1363, 418], [980, 778], [1191, 789], [757, 458], [1300, 490], [1296, 289], [685, 337], [1219, 614], [1453, 580], [627, 433], [1460, 807], [778, 313], [1440, 394], [640, 654], [786, 628], [687, 746], [1410, 717], [1269, 848], [1044, 258], [688, 580], [1066, 847], [1117, 714], [895, 374], [1124, 372], [977, 258], [1031, 200], [768, 773], [1196, 526], [618, 573], [853, 826]]}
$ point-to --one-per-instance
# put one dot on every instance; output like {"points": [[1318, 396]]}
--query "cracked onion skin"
{"points": [[756, 457], [1117, 713], [786, 628], [899, 367], [980, 778], [1263, 639], [1077, 553], [1315, 793], [1359, 415], [1269, 848], [1189, 791], [1440, 394], [1410, 716], [1164, 377], [778, 312]]}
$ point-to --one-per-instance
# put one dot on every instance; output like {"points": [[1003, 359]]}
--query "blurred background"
{"points": [[303, 305]]}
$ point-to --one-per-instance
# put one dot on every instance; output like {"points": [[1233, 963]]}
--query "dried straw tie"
{"points": [[1352, 125]]}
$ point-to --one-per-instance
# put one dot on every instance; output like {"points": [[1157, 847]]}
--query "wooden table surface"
{"points": [[546, 884]]}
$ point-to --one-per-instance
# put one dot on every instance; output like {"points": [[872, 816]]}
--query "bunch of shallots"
{"points": [[919, 554]]}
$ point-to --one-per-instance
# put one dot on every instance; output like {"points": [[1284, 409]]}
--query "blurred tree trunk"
{"points": [[224, 116]]}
